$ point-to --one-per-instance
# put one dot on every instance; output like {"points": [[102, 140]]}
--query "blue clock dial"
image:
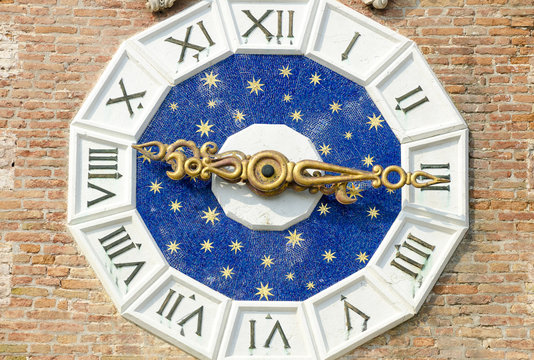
{"points": [[189, 225]]}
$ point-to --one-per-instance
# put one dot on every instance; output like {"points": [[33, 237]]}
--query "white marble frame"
{"points": [[372, 274]]}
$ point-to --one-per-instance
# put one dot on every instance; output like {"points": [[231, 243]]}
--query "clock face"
{"points": [[226, 274], [335, 241]]}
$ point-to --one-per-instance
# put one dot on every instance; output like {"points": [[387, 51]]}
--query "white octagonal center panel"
{"points": [[267, 213]]}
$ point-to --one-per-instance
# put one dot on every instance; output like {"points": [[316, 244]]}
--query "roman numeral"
{"points": [[345, 54], [410, 106], [185, 44], [417, 248], [257, 24], [198, 313], [102, 162], [437, 187], [113, 246], [349, 307], [126, 97], [277, 328]]}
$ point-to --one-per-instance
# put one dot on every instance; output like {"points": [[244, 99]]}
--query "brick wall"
{"points": [[53, 307]]}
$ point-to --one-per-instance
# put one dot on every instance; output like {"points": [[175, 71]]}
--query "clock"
{"points": [[223, 268]]}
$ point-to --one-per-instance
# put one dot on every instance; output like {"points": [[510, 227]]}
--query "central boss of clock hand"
{"points": [[269, 172]]}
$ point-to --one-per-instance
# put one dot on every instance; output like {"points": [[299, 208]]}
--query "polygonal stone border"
{"points": [[413, 103]]}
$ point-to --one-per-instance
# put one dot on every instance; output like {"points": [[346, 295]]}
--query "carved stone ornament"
{"points": [[338, 195], [377, 4], [158, 5]]}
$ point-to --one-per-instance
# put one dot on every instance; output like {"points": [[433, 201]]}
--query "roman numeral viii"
{"points": [[117, 243], [103, 164], [416, 256]]}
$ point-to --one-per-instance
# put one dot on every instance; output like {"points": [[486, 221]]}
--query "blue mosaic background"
{"points": [[346, 231]]}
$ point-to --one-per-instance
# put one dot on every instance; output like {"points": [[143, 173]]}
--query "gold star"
{"points": [[175, 205], [362, 257], [206, 246], [290, 276], [296, 115], [145, 156], [227, 272], [264, 291], [310, 285], [239, 116], [192, 178], [288, 98], [294, 238], [173, 106], [155, 186], [212, 104], [354, 191], [255, 86], [368, 160], [335, 107], [267, 261], [285, 71], [390, 191], [375, 122], [329, 256], [204, 128], [315, 79], [173, 247], [323, 209], [373, 213], [325, 149], [210, 215], [348, 135], [236, 246], [210, 79]]}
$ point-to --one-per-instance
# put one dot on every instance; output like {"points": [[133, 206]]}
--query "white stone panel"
{"points": [[185, 44], [268, 27], [445, 155], [257, 212], [352, 312], [352, 44], [414, 253], [101, 175], [126, 96], [123, 254], [268, 330], [183, 312], [412, 100]]}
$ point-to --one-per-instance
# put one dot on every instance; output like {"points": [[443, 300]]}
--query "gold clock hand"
{"points": [[269, 172]]}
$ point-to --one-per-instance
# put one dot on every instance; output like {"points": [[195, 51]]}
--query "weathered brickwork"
{"points": [[53, 307]]}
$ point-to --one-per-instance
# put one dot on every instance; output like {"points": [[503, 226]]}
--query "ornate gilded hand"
{"points": [[269, 173]]}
